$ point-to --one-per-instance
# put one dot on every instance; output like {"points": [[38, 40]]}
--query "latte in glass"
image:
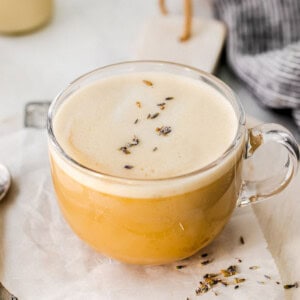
{"points": [[146, 159], [146, 126]]}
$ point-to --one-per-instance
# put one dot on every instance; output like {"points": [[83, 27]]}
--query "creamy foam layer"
{"points": [[95, 122], [179, 125]]}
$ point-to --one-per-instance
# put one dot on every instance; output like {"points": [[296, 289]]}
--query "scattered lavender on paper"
{"points": [[290, 286]]}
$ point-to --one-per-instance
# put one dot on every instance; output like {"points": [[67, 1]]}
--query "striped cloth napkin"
{"points": [[263, 48]]}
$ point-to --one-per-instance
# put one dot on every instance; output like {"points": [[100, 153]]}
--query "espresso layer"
{"points": [[145, 125]]}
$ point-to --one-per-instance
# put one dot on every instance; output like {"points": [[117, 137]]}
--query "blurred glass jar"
{"points": [[22, 16]]}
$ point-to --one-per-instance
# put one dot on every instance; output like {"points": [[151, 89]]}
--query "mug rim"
{"points": [[101, 175]]}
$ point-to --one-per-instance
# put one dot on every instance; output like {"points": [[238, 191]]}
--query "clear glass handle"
{"points": [[253, 191]]}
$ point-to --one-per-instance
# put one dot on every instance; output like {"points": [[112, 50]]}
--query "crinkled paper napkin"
{"points": [[41, 258]]}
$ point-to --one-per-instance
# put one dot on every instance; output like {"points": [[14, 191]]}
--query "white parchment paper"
{"points": [[41, 258]]}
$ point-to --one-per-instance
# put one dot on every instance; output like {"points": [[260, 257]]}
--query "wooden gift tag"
{"points": [[160, 40]]}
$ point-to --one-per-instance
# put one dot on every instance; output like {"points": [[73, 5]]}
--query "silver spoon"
{"points": [[5, 181]]}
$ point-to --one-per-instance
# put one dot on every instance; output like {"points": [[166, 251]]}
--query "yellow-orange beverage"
{"points": [[17, 17], [146, 164]]}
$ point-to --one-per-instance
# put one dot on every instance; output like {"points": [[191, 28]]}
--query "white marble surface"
{"points": [[84, 35]]}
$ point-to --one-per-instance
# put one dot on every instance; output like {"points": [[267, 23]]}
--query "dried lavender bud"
{"points": [[129, 167], [290, 286], [230, 271], [164, 130], [124, 150], [206, 262], [242, 241], [253, 267], [148, 82], [180, 267]]}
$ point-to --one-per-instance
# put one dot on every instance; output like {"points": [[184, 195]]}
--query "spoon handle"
{"points": [[36, 114]]}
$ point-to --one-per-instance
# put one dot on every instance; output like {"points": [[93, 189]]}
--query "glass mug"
{"points": [[19, 17], [157, 221]]}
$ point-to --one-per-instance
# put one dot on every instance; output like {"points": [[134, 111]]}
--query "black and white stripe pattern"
{"points": [[263, 48]]}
